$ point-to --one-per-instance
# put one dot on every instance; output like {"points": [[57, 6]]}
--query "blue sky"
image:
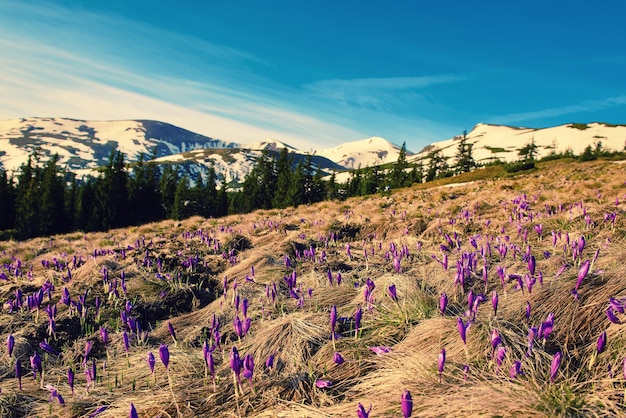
{"points": [[316, 73]]}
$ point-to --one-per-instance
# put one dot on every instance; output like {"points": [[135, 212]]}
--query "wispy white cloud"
{"points": [[584, 107], [391, 83], [375, 91], [78, 64], [54, 82]]}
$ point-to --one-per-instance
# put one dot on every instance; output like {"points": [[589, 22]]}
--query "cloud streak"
{"points": [[377, 93]]}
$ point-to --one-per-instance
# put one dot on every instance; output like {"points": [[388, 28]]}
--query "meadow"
{"points": [[489, 296]]}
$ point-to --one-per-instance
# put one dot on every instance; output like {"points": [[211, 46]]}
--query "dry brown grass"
{"points": [[299, 337]]}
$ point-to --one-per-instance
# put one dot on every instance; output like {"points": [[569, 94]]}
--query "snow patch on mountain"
{"points": [[364, 153], [496, 142]]}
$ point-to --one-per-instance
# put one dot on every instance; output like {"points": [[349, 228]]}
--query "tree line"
{"points": [[45, 199]]}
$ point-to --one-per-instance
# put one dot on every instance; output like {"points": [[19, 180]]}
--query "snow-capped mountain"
{"points": [[87, 144], [366, 152], [268, 145], [84, 145], [495, 142]]}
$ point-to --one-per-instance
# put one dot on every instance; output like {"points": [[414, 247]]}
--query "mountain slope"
{"points": [[494, 142], [367, 152], [87, 144]]}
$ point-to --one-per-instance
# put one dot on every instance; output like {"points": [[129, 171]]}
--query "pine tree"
{"points": [[167, 190], [181, 200], [283, 179], [464, 158], [26, 201], [295, 195], [332, 191], [112, 194], [7, 202], [51, 199], [398, 175]]}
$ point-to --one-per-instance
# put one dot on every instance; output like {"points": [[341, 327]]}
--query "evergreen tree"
{"points": [[167, 190], [26, 201], [86, 217], [181, 200], [332, 191], [398, 175], [283, 179], [295, 195], [51, 203], [529, 151], [7, 202], [112, 194], [464, 158], [144, 192], [318, 190], [436, 165]]}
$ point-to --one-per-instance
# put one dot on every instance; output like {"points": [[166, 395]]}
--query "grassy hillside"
{"points": [[183, 287]]}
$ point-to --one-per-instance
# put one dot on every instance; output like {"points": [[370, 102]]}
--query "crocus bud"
{"points": [[393, 294], [443, 303], [601, 342], [151, 361], [406, 403], [164, 354], [554, 366], [10, 344], [338, 358], [333, 318], [441, 362]]}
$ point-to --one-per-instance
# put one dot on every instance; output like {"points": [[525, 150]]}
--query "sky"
{"points": [[315, 74]]}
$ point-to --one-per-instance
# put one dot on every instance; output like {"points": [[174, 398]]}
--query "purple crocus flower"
{"points": [[104, 335], [320, 383], [582, 273], [393, 294], [248, 367], [125, 341], [612, 317], [269, 363], [151, 361], [357, 320], [380, 350], [88, 346], [406, 403], [133, 411], [235, 361], [443, 303], [554, 367], [47, 348], [601, 342], [170, 327], [10, 344], [495, 339], [361, 412], [70, 379], [494, 302], [462, 328], [516, 369], [36, 365], [18, 372], [441, 362], [164, 354], [54, 394], [527, 312], [333, 319], [338, 358], [500, 354]]}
